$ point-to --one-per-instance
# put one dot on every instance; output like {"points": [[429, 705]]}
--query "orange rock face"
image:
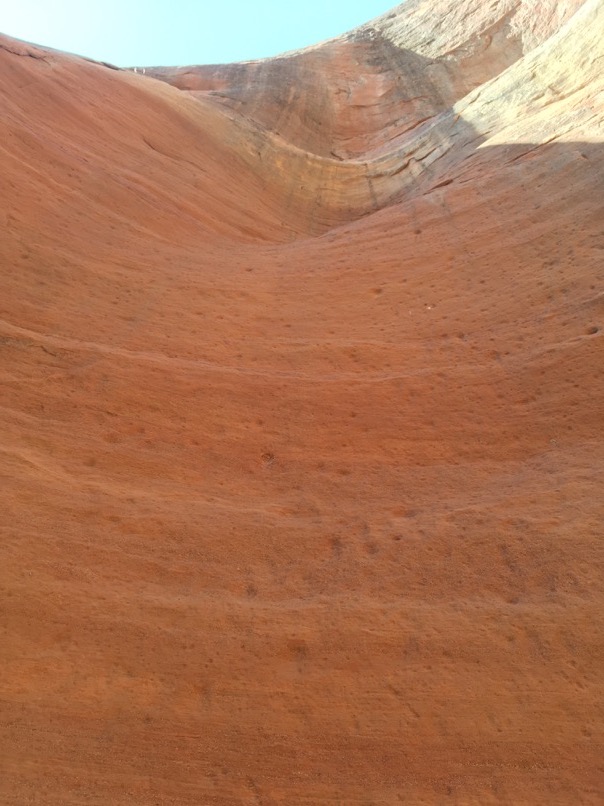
{"points": [[301, 411]]}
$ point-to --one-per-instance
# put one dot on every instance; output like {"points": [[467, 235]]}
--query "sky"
{"points": [[179, 32]]}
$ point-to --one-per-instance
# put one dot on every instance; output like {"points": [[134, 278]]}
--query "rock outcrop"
{"points": [[301, 412]]}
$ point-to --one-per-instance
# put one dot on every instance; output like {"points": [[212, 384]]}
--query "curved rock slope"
{"points": [[301, 410]]}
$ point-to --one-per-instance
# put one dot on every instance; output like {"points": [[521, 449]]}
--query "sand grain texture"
{"points": [[301, 419]]}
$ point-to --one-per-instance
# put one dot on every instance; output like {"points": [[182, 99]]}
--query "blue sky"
{"points": [[175, 32]]}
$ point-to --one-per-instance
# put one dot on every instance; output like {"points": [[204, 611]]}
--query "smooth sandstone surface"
{"points": [[302, 419]]}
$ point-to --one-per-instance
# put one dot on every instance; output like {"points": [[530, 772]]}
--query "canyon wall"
{"points": [[301, 414]]}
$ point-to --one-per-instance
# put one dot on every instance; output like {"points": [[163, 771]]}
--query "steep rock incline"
{"points": [[350, 94], [301, 451]]}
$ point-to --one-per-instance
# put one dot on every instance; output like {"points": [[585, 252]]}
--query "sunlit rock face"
{"points": [[301, 409]]}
